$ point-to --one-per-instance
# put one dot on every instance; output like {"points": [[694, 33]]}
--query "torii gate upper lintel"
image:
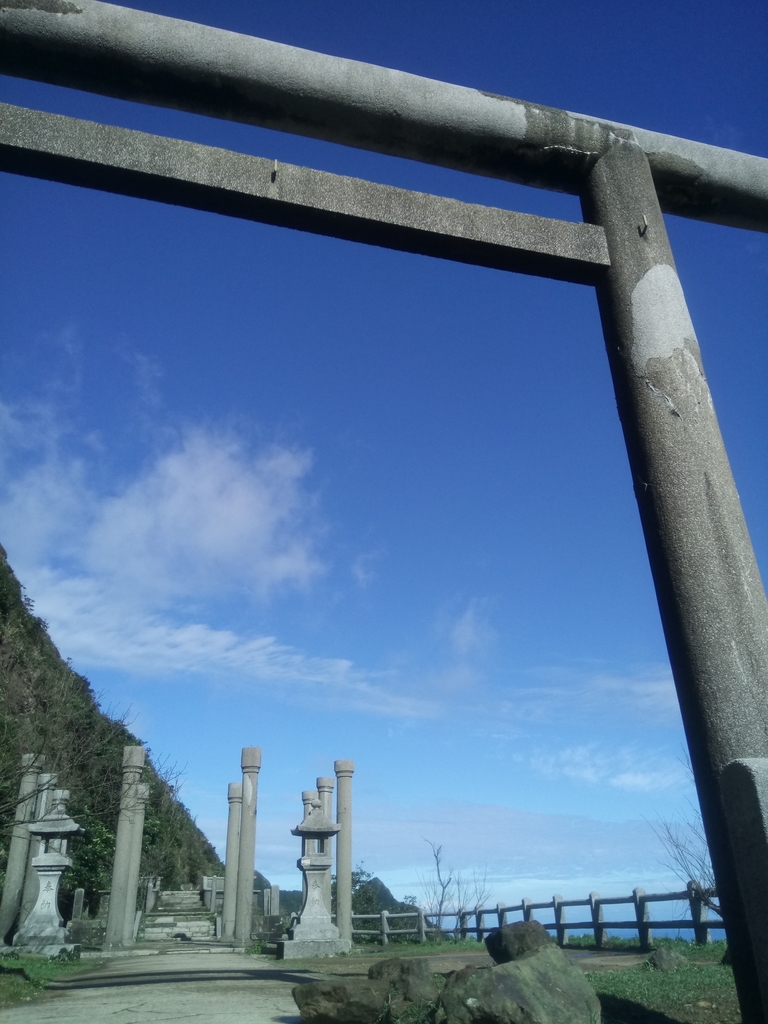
{"points": [[710, 593]]}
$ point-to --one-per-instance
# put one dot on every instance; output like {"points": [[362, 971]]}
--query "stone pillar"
{"points": [[133, 762], [235, 798], [325, 786], [77, 904], [708, 586], [274, 901], [251, 763], [46, 784], [744, 785], [19, 848], [75, 926], [134, 868], [344, 772]]}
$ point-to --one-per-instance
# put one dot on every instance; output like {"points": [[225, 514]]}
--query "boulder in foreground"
{"points": [[514, 940], [667, 960], [393, 984], [542, 987]]}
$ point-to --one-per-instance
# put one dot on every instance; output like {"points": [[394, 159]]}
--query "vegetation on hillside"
{"points": [[49, 710]]}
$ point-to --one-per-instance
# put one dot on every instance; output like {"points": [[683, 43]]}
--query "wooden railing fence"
{"points": [[426, 924]]}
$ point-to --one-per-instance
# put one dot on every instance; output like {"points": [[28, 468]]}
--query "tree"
{"points": [[685, 843], [449, 893], [438, 888]]}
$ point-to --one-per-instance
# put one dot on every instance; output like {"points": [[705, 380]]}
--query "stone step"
{"points": [[154, 932], [165, 916]]}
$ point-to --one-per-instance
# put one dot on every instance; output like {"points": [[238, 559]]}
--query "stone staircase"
{"points": [[177, 915]]}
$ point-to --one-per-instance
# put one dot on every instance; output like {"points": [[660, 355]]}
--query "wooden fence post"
{"points": [[384, 927], [562, 933], [479, 918], [526, 904], [502, 917], [698, 914], [597, 918], [421, 925], [463, 916], [641, 913]]}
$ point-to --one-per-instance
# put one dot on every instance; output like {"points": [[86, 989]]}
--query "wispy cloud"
{"points": [[208, 517], [471, 633], [124, 579], [204, 517], [362, 568], [576, 694], [623, 768], [102, 632]]}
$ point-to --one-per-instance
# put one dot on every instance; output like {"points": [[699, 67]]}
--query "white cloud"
{"points": [[101, 632], [576, 695], [362, 568], [207, 517], [115, 576], [471, 634], [623, 768]]}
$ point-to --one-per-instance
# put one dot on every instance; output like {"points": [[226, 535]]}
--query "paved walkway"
{"points": [[223, 988]]}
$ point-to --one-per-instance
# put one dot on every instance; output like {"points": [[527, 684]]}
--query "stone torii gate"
{"points": [[710, 594]]}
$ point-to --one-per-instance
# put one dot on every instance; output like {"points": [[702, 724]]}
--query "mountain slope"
{"points": [[48, 709]]}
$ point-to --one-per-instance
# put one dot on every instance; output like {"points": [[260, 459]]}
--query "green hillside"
{"points": [[48, 709]]}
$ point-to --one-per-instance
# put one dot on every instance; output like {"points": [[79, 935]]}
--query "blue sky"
{"points": [[271, 489]]}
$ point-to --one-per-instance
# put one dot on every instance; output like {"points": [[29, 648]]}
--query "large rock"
{"points": [[393, 983], [514, 940], [542, 987], [667, 960], [410, 982], [346, 1001]]}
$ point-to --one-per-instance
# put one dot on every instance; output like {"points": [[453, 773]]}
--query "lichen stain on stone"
{"points": [[681, 183], [661, 323], [48, 6]]}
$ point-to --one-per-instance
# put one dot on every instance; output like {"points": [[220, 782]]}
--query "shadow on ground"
{"points": [[625, 1011], [102, 980]]}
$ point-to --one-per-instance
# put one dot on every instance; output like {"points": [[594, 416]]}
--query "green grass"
{"points": [[429, 948], [14, 988], [691, 994], [712, 952]]}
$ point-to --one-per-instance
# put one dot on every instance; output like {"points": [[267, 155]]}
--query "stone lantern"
{"points": [[43, 930], [314, 934]]}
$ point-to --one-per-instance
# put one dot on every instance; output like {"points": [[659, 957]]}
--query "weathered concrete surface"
{"points": [[132, 163], [708, 585], [344, 770], [744, 785], [235, 799], [133, 762], [17, 855], [227, 988], [148, 58]]}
